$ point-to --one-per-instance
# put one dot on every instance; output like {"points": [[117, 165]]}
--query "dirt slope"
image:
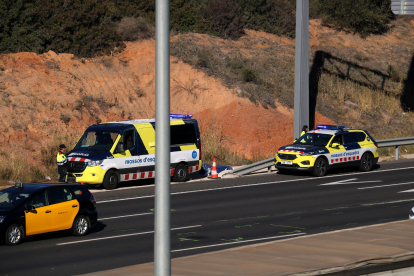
{"points": [[52, 98]]}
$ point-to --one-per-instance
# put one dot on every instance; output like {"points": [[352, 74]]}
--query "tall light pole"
{"points": [[301, 102], [162, 250]]}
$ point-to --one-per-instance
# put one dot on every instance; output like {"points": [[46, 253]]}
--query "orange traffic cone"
{"points": [[214, 174]]}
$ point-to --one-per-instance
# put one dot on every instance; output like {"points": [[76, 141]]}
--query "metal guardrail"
{"points": [[268, 163], [395, 142]]}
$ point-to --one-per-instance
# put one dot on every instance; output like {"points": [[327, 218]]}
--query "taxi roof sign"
{"points": [[18, 185]]}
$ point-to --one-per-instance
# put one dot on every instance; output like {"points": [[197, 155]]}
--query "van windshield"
{"points": [[97, 140]]}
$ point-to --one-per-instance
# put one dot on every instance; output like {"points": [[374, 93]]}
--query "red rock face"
{"points": [[51, 99]]}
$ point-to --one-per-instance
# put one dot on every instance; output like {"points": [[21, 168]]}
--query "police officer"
{"points": [[304, 130], [62, 163]]}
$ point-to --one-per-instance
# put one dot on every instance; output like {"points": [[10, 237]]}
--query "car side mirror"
{"points": [[119, 147], [335, 145], [31, 209]]}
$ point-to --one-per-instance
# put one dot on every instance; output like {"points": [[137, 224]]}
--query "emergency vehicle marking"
{"points": [[78, 159], [295, 151], [151, 174]]}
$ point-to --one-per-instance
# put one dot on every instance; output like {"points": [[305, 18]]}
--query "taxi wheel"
{"points": [[111, 180], [13, 235], [80, 226], [366, 162], [181, 173], [320, 167]]}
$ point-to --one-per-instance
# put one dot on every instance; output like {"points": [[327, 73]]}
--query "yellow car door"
{"points": [[64, 208], [39, 218]]}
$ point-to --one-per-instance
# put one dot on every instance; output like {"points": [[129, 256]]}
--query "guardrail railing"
{"points": [[268, 163], [395, 142]]}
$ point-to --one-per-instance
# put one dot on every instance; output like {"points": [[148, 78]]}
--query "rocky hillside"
{"points": [[51, 98]]}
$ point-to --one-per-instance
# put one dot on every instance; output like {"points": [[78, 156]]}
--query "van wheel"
{"points": [[366, 162], [80, 226], [111, 180], [181, 173], [320, 167], [13, 235]]}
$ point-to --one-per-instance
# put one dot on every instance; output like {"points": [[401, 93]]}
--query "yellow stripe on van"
{"points": [[188, 147], [147, 134], [177, 122]]}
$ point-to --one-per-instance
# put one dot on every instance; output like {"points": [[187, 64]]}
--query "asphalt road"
{"points": [[214, 215]]}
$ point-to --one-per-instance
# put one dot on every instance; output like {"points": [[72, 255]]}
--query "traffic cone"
{"points": [[214, 174]]}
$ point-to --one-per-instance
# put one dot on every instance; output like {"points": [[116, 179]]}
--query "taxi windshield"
{"points": [[12, 198], [314, 139], [97, 140]]}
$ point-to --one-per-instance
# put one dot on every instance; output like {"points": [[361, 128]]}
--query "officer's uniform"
{"points": [[62, 163]]}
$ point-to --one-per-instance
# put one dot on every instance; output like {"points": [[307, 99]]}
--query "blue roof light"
{"points": [[181, 116], [330, 127]]}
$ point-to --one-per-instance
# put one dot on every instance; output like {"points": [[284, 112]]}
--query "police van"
{"points": [[109, 153], [328, 147]]}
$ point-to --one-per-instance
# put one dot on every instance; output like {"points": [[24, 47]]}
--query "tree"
{"points": [[359, 16]]}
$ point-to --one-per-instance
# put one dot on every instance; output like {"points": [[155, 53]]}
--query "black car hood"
{"points": [[304, 149]]}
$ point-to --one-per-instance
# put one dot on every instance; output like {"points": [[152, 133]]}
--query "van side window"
{"points": [[129, 139], [183, 134]]}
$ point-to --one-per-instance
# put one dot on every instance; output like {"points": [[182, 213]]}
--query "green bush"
{"points": [[273, 16], [359, 16], [221, 18]]}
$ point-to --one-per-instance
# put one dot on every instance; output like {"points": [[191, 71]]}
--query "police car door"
{"points": [[337, 157], [352, 147], [126, 155]]}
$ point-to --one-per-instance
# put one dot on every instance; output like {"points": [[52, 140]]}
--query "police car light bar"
{"points": [[181, 116], [330, 127]]}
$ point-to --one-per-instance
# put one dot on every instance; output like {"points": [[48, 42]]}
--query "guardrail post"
{"points": [[269, 169], [397, 152]]}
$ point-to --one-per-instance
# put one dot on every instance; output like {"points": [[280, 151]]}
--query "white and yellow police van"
{"points": [[328, 147], [109, 153]]}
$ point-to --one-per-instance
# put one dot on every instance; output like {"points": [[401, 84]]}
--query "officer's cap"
{"points": [[62, 146]]}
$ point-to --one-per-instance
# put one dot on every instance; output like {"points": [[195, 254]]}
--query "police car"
{"points": [[31, 209], [328, 147]]}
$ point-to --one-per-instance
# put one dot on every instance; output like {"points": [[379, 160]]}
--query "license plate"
{"points": [[287, 163]]}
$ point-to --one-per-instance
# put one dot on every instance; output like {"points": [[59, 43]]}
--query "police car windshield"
{"points": [[12, 198], [314, 139], [97, 140]]}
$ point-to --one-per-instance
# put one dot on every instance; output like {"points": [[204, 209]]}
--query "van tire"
{"points": [[181, 173], [111, 180]]}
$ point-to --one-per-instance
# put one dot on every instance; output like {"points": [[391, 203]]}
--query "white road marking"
{"points": [[221, 244], [127, 235], [407, 191], [255, 184], [134, 215], [349, 181], [387, 202], [386, 185]]}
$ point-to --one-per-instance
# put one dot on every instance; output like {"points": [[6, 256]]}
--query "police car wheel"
{"points": [[80, 226], [320, 167], [181, 173], [111, 180], [13, 235], [366, 162]]}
